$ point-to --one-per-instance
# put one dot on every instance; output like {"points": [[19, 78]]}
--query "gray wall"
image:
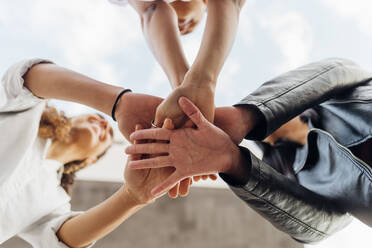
{"points": [[206, 218]]}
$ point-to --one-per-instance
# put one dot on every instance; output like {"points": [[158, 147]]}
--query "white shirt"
{"points": [[124, 2], [32, 202]]}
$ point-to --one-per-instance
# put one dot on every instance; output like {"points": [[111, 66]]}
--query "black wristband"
{"points": [[116, 102]]}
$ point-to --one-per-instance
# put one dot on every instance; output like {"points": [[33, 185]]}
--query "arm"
{"points": [[302, 214], [52, 81], [281, 99], [218, 38], [290, 207], [84, 229], [159, 25], [200, 81]]}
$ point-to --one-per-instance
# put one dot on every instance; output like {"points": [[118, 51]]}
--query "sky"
{"points": [[104, 41]]}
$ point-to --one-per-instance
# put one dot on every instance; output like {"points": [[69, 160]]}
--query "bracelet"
{"points": [[116, 102]]}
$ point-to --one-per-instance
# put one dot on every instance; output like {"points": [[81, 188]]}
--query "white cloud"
{"points": [[85, 32], [291, 33], [246, 21], [358, 10], [157, 81]]}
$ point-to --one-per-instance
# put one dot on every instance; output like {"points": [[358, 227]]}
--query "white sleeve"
{"points": [[13, 95], [119, 2], [125, 2], [43, 234]]}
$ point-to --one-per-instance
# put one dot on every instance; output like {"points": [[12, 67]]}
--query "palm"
{"points": [[191, 148], [145, 180]]}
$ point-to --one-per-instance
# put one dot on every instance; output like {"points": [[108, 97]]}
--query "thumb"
{"points": [[168, 124], [191, 111]]}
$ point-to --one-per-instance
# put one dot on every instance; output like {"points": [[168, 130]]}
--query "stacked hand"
{"points": [[140, 109], [140, 182], [188, 151]]}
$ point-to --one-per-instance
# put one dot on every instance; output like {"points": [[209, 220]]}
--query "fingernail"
{"points": [[132, 165], [126, 150]]}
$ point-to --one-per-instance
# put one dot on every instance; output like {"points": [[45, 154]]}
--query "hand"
{"points": [[203, 97], [135, 109], [182, 187], [237, 122], [191, 152], [139, 183]]}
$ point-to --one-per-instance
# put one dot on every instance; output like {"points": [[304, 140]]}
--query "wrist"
{"points": [[248, 117], [205, 89], [200, 79], [233, 160], [121, 102], [238, 171], [133, 199]]}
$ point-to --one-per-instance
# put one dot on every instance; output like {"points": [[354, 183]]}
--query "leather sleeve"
{"points": [[286, 96], [302, 214]]}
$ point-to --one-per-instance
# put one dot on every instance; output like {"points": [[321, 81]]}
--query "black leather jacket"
{"points": [[284, 186]]}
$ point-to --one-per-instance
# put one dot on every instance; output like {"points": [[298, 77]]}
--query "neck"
{"points": [[60, 152]]}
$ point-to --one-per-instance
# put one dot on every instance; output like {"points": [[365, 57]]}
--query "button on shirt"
{"points": [[33, 205]]}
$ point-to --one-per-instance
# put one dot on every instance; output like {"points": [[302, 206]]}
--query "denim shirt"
{"points": [[329, 182], [326, 166]]}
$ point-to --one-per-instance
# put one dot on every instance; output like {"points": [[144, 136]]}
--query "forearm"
{"points": [[281, 99], [97, 222], [218, 38], [159, 24], [51, 81]]}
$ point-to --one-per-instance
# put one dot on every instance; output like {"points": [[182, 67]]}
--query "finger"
{"points": [[168, 124], [166, 184], [158, 162], [138, 156], [149, 148], [138, 127], [159, 119], [196, 178], [205, 177], [213, 177], [191, 111], [173, 192], [185, 186], [148, 134]]}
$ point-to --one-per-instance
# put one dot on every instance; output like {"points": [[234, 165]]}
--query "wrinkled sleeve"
{"points": [[302, 214], [43, 234], [288, 95], [13, 95]]}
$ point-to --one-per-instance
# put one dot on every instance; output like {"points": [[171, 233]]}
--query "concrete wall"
{"points": [[212, 218]]}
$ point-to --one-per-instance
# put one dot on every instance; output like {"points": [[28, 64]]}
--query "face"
{"points": [[189, 14], [91, 135]]}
